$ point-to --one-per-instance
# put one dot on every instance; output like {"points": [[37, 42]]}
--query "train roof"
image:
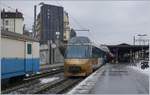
{"points": [[79, 40], [101, 47], [17, 36], [82, 40], [104, 48]]}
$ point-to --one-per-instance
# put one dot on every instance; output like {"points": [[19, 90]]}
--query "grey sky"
{"points": [[110, 22]]}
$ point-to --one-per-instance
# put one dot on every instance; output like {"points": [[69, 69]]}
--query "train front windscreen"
{"points": [[78, 51]]}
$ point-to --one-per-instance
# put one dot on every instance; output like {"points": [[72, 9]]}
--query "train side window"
{"points": [[29, 48]]}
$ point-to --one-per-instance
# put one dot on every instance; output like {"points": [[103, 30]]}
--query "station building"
{"points": [[129, 53]]}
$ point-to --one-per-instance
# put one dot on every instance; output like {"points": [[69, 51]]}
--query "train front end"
{"points": [[77, 67], [78, 58]]}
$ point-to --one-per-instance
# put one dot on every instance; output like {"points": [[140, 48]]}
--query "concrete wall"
{"points": [[44, 54], [58, 56], [55, 57]]}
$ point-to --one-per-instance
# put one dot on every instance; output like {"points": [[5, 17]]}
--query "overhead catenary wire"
{"points": [[77, 23]]}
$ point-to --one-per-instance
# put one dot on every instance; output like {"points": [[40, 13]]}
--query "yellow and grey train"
{"points": [[82, 57]]}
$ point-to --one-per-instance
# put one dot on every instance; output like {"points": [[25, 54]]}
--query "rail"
{"points": [[30, 80]]}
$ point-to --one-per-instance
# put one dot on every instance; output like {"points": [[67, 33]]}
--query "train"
{"points": [[82, 57], [19, 55]]}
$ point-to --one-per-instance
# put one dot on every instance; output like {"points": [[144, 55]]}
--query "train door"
{"points": [[28, 57]]}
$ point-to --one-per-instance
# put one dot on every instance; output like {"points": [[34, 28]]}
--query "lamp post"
{"points": [[140, 39]]}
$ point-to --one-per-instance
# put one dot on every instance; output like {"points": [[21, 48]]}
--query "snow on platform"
{"points": [[115, 79], [121, 79], [86, 85], [138, 69]]}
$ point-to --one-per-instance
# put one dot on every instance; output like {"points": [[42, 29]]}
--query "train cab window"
{"points": [[77, 52], [29, 48]]}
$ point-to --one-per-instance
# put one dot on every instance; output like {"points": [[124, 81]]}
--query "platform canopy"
{"points": [[126, 47]]}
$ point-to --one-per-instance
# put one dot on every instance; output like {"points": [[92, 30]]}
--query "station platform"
{"points": [[114, 79], [47, 66]]}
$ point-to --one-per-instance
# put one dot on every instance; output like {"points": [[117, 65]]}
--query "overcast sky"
{"points": [[109, 22]]}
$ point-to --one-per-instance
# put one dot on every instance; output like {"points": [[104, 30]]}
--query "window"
{"points": [[6, 22], [6, 29], [29, 48]]}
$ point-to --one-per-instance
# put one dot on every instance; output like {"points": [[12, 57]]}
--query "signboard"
{"points": [[53, 45]]}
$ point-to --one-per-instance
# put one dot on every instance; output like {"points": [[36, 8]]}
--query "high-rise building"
{"points": [[49, 23]]}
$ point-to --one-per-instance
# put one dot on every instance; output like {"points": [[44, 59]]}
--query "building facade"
{"points": [[12, 21], [67, 29], [49, 21]]}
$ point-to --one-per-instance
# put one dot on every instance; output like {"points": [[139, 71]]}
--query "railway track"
{"points": [[60, 87], [29, 80], [44, 74], [33, 85]]}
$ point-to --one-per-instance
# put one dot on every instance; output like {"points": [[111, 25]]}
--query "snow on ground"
{"points": [[38, 73], [53, 69], [138, 68], [145, 71], [46, 80]]}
